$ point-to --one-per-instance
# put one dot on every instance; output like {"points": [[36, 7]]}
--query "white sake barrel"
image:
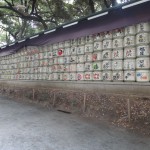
{"points": [[57, 60], [88, 76], [80, 50], [61, 44], [117, 65], [143, 50], [129, 52], [80, 76], [50, 69], [81, 40], [107, 55], [130, 30], [66, 60], [117, 54], [142, 38], [142, 75], [55, 76], [44, 69], [88, 48], [55, 46], [97, 66], [97, 37], [45, 55], [117, 43], [107, 75], [73, 50], [143, 63], [60, 76], [60, 68], [97, 56], [107, 35], [88, 57], [73, 42], [54, 53], [107, 65], [142, 27], [67, 51], [50, 62], [89, 39], [66, 68], [129, 41], [97, 75], [40, 69], [73, 76], [98, 46], [73, 67], [49, 48], [67, 43], [66, 76], [129, 64], [49, 77], [36, 63], [73, 59], [80, 58], [80, 67], [118, 33], [35, 56], [129, 75], [49, 54], [107, 44], [60, 52], [54, 68], [117, 75], [88, 67]]}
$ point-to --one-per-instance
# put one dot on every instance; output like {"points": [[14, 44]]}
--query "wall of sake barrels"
{"points": [[119, 55]]}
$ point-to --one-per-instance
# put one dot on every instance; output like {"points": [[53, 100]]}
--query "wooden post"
{"points": [[129, 110], [33, 95], [84, 102]]}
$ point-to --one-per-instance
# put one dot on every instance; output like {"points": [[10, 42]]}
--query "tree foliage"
{"points": [[22, 18]]}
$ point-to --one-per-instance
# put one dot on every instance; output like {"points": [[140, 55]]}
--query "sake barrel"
{"points": [[142, 38], [118, 33], [73, 76], [57, 60], [81, 40], [98, 46], [54, 53], [73, 67], [88, 48], [143, 27], [88, 66], [54, 68], [107, 65], [129, 75], [142, 63], [117, 54], [73, 59], [129, 41], [60, 76], [66, 60], [80, 67], [107, 44], [50, 69], [106, 54], [80, 50], [97, 66], [107, 35], [97, 75], [40, 56], [60, 68], [50, 77], [88, 57], [61, 44], [73, 50], [107, 75], [49, 54], [143, 50], [129, 52], [117, 75], [80, 76], [117, 43], [97, 56], [65, 76], [55, 46], [129, 64], [67, 43], [67, 51], [60, 60], [66, 68], [97, 37], [55, 76], [44, 69], [80, 58], [89, 39], [35, 56], [88, 76], [142, 75], [130, 30], [60, 52], [117, 65], [73, 42]]}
